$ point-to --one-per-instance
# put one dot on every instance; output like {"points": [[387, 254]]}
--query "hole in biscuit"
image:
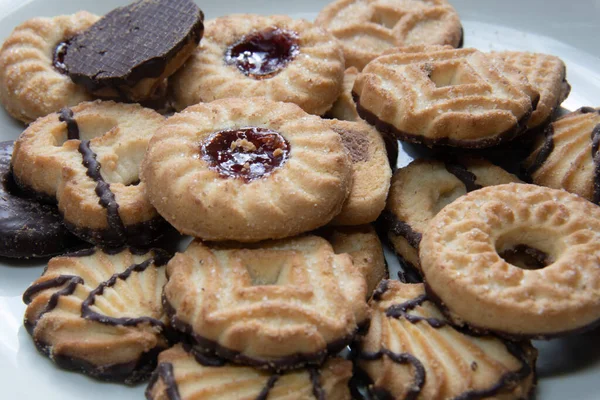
{"points": [[446, 197], [267, 268], [525, 250], [386, 17], [449, 74]]}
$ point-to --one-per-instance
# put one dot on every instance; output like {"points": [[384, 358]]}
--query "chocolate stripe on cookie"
{"points": [[315, 379], [596, 159], [401, 228], [264, 393], [164, 371], [463, 174], [544, 152], [401, 310], [66, 115]]}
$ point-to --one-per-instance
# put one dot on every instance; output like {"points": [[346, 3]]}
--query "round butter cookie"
{"points": [[180, 373], [412, 352], [246, 170], [247, 55], [438, 95], [276, 305], [424, 187], [87, 158], [371, 172], [33, 80], [566, 156], [100, 313], [520, 260], [366, 28]]}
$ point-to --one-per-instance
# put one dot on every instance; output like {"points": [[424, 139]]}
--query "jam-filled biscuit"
{"points": [[421, 189], [179, 371], [548, 75], [277, 57], [438, 95], [412, 352], [275, 305], [566, 156], [366, 28], [520, 260], [132, 49], [33, 81], [27, 227], [100, 313], [371, 172], [88, 158], [246, 170]]}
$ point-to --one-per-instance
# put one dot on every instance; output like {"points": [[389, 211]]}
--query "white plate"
{"points": [[568, 368]]}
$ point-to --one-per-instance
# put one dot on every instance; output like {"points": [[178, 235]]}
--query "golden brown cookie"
{"points": [[180, 372], [277, 57], [566, 156], [411, 351], [87, 158], [438, 95], [246, 170], [344, 107], [424, 187], [100, 313], [520, 260], [274, 305], [371, 172], [32, 83], [366, 28]]}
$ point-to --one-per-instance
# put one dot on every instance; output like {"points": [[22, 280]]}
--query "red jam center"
{"points": [[246, 153], [263, 54], [59, 56]]}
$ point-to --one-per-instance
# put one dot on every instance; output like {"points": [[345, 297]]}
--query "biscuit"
{"points": [[179, 372], [283, 171], [247, 55], [520, 260], [412, 352], [366, 28], [566, 156], [548, 75], [109, 60], [438, 95], [32, 79], [99, 313], [363, 246], [27, 227], [421, 189], [275, 305], [371, 172], [87, 159]]}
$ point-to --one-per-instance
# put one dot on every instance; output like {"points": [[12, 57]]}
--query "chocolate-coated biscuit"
{"points": [[132, 49]]}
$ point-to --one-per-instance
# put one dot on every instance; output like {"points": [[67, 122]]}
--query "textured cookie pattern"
{"points": [[277, 305], [344, 107], [412, 352]]}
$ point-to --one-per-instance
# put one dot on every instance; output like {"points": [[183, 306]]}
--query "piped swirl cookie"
{"points": [[247, 55], [424, 187], [275, 305], [566, 156], [520, 260], [87, 158], [246, 170], [438, 95], [412, 352], [100, 313], [180, 372], [33, 82], [366, 28]]}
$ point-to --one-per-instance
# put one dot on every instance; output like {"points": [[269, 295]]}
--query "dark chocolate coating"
{"points": [[164, 371], [27, 227], [132, 43]]}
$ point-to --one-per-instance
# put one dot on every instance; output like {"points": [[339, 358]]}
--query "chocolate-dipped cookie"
{"points": [[110, 62]]}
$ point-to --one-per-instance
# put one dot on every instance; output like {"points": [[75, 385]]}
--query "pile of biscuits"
{"points": [[271, 142]]}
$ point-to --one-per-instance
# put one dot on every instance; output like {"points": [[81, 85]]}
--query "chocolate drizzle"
{"points": [[401, 311], [315, 380], [165, 372], [463, 174], [66, 115], [543, 153], [596, 160], [401, 228], [264, 393]]}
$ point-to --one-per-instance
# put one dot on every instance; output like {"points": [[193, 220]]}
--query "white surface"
{"points": [[568, 368]]}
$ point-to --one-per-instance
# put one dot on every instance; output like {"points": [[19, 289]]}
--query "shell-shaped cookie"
{"points": [[100, 313], [30, 85], [272, 193], [366, 28], [88, 159], [444, 96], [424, 187], [179, 372], [277, 305], [310, 75], [520, 260], [566, 156], [410, 351]]}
